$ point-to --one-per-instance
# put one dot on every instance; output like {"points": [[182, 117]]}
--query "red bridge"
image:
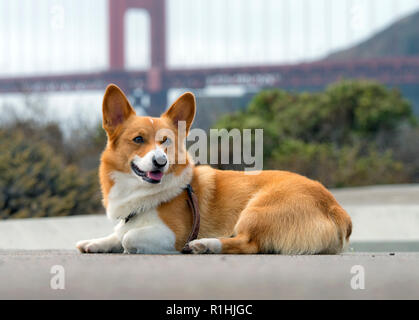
{"points": [[159, 79]]}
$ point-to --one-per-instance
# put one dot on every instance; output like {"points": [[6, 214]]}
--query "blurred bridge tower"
{"points": [[157, 12]]}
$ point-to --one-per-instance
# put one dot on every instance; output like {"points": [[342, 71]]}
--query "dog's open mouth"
{"points": [[149, 176]]}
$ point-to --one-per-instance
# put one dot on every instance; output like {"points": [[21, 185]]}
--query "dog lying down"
{"points": [[162, 204]]}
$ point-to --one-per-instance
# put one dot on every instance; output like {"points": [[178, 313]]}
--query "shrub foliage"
{"points": [[344, 136], [36, 182]]}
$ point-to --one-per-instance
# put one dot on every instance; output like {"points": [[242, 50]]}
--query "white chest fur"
{"points": [[145, 232], [131, 194]]}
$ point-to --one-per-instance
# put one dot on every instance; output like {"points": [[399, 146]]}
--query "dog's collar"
{"points": [[193, 205], [130, 216]]}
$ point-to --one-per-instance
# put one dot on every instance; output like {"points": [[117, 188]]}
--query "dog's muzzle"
{"points": [[154, 176]]}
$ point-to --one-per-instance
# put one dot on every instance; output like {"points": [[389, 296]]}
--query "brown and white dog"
{"points": [[272, 212]]}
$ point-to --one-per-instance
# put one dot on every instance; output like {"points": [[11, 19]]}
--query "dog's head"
{"points": [[149, 148]]}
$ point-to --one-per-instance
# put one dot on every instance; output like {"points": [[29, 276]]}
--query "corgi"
{"points": [[145, 188]]}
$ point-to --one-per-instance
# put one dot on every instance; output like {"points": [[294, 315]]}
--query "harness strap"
{"points": [[193, 205]]}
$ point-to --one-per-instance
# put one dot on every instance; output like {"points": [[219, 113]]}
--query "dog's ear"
{"points": [[183, 109], [116, 108]]}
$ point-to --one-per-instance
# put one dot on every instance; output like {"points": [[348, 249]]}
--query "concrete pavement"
{"points": [[27, 275]]}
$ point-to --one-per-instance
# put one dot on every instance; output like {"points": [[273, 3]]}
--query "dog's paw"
{"points": [[89, 246], [202, 246]]}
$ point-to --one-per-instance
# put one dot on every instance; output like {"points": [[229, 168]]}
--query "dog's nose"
{"points": [[159, 160]]}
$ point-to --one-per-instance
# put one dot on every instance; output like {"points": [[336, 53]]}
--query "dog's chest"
{"points": [[129, 194], [149, 221]]}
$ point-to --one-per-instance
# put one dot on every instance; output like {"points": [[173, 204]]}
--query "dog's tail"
{"points": [[343, 222]]}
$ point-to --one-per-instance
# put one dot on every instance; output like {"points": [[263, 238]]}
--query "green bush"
{"points": [[343, 136], [35, 181], [339, 167]]}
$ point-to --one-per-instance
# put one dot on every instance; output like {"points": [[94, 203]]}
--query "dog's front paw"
{"points": [[89, 246], [202, 246]]}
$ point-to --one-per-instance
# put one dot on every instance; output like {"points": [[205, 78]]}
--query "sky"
{"points": [[66, 36]]}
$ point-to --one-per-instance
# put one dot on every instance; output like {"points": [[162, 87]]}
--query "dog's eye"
{"points": [[166, 141], [138, 139]]}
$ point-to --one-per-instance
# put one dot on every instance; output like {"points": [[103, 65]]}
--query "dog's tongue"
{"points": [[155, 175]]}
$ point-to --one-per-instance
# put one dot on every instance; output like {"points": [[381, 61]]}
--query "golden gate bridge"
{"points": [[158, 79]]}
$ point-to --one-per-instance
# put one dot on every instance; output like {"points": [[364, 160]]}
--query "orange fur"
{"points": [[275, 211]]}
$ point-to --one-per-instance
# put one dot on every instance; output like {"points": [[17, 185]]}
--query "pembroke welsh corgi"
{"points": [[146, 189]]}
